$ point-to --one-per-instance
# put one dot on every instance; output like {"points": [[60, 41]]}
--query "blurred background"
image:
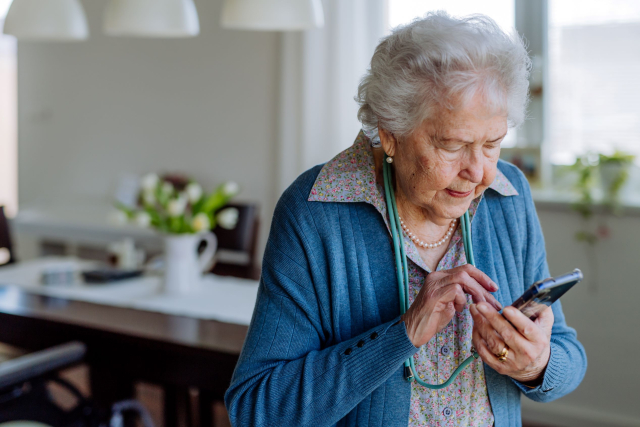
{"points": [[131, 128]]}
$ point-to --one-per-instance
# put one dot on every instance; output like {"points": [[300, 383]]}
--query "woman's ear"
{"points": [[388, 141]]}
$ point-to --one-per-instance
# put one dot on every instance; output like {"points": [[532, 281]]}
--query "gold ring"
{"points": [[503, 354]]}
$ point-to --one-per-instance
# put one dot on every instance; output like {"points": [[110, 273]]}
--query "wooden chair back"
{"points": [[243, 238]]}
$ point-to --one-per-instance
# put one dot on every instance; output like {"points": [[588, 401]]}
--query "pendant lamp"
{"points": [[55, 20], [151, 18], [272, 15]]}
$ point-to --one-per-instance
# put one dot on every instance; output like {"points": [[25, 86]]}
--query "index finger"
{"points": [[479, 277], [472, 287]]}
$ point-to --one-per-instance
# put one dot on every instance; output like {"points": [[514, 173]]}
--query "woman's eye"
{"points": [[454, 149]]}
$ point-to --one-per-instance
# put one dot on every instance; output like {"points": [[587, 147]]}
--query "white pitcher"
{"points": [[183, 266]]}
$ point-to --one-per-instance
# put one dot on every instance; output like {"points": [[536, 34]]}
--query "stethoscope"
{"points": [[402, 271]]}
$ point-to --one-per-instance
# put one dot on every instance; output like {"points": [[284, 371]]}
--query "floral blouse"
{"points": [[350, 177]]}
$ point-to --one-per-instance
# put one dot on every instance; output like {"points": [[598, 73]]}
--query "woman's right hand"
{"points": [[442, 294]]}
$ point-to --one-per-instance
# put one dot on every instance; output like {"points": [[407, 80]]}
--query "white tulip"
{"points": [[150, 182], [228, 218], [194, 192], [148, 197], [176, 207], [117, 217], [167, 188], [230, 188], [142, 219], [201, 222]]}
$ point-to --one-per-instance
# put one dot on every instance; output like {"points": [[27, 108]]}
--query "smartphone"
{"points": [[545, 292]]}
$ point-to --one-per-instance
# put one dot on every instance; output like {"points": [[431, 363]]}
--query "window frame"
{"points": [[531, 22]]}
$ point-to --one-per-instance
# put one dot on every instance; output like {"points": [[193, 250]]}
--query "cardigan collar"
{"points": [[350, 177]]}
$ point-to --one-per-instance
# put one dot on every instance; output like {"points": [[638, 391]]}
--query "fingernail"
{"points": [[495, 285], [473, 309], [499, 305], [483, 308]]}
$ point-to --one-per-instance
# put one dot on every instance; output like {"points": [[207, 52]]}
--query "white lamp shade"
{"points": [[272, 15], [46, 20], [151, 18]]}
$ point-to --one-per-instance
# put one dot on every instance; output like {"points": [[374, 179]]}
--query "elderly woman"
{"points": [[328, 341]]}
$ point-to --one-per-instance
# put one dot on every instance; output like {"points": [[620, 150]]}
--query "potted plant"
{"points": [[180, 210], [614, 174], [611, 173]]}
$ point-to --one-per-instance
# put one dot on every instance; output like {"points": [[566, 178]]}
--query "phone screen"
{"points": [[545, 292]]}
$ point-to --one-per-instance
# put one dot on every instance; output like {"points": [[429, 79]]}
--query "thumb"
{"points": [[545, 320]]}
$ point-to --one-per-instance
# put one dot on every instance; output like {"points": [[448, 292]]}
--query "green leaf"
{"points": [[122, 207], [215, 201], [587, 237], [619, 157], [156, 219], [197, 207]]}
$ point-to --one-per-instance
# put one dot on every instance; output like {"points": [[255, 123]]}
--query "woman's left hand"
{"points": [[528, 342]]}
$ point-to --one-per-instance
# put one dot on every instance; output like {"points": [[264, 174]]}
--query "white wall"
{"points": [[91, 111], [604, 311]]}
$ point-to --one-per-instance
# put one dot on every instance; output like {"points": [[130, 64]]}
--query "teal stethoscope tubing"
{"points": [[402, 272]]}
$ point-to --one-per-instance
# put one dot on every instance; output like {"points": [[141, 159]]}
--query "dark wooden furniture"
{"points": [[125, 345], [24, 393], [243, 239], [5, 237]]}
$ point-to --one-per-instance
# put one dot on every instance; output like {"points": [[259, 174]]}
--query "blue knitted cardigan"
{"points": [[328, 282]]}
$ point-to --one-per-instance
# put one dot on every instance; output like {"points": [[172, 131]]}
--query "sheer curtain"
{"points": [[320, 72]]}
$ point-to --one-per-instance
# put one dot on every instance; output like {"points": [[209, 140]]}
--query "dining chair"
{"points": [[242, 241], [7, 255], [25, 397]]}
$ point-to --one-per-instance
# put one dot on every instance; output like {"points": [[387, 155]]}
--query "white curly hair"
{"points": [[441, 61]]}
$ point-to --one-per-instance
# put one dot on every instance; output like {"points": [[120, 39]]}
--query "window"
{"points": [[502, 11], [593, 67], [8, 120]]}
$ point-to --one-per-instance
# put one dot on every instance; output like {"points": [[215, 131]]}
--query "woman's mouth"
{"points": [[458, 193]]}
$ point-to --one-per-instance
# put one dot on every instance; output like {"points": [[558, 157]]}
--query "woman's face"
{"points": [[448, 161]]}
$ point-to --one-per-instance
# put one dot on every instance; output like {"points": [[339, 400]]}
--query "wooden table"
{"points": [[126, 345]]}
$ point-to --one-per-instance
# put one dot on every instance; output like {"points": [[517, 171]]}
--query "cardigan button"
{"points": [[348, 351], [360, 343], [447, 412], [445, 350], [374, 335]]}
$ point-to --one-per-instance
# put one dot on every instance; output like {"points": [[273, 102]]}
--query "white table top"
{"points": [[227, 299]]}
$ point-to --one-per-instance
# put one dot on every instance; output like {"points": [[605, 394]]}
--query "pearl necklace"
{"points": [[419, 242]]}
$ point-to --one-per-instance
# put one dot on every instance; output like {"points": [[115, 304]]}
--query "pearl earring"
{"points": [[389, 159]]}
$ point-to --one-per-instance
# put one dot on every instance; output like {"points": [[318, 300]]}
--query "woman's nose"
{"points": [[473, 170]]}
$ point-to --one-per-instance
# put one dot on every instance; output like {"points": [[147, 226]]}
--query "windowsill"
{"points": [[561, 200]]}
